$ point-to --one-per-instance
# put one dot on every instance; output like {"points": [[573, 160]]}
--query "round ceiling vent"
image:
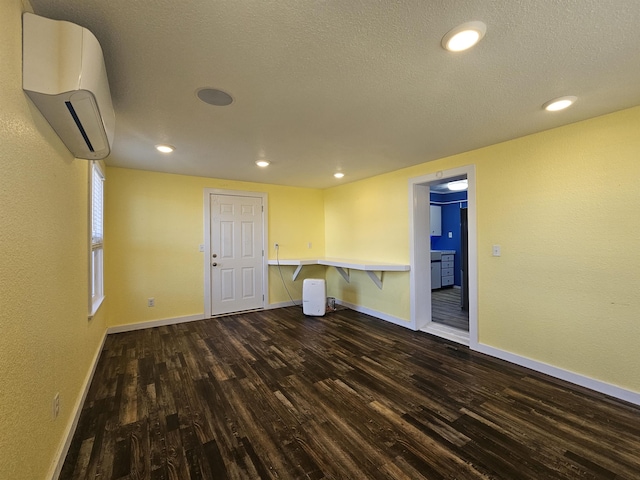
{"points": [[213, 96]]}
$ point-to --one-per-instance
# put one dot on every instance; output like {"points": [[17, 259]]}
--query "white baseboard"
{"points": [[154, 323], [60, 456], [374, 313], [575, 378], [288, 303]]}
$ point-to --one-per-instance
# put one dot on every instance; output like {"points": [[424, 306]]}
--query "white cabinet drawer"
{"points": [[447, 265], [447, 258], [448, 280], [447, 272]]}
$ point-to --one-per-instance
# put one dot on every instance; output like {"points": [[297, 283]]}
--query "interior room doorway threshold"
{"points": [[444, 331]]}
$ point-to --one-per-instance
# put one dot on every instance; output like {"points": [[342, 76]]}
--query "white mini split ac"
{"points": [[63, 73]]}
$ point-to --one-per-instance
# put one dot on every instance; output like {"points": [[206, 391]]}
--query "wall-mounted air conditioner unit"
{"points": [[63, 73]]}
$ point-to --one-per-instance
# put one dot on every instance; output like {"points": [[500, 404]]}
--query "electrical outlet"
{"points": [[151, 302], [55, 406], [309, 245], [276, 245]]}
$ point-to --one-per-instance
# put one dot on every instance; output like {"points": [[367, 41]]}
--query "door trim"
{"points": [[207, 242], [420, 257]]}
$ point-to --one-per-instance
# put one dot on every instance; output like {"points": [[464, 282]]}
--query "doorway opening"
{"points": [[449, 252], [422, 278]]}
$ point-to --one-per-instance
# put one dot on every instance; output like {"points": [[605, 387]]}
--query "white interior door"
{"points": [[236, 256]]}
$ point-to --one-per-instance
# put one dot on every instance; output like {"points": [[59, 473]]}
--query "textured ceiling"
{"points": [[359, 86]]}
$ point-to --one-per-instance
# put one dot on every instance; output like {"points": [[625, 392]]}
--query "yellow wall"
{"points": [[564, 206], [47, 344], [154, 225], [369, 220], [392, 300]]}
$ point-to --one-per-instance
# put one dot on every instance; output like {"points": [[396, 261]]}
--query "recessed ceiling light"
{"points": [[215, 97], [559, 103], [262, 163], [338, 174], [458, 185], [464, 36], [165, 148]]}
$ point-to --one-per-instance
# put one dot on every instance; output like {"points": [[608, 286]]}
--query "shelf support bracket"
{"points": [[375, 279], [344, 273], [296, 272]]}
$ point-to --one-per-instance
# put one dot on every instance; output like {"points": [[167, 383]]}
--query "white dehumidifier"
{"points": [[314, 297]]}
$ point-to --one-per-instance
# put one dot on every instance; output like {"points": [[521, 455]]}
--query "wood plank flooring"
{"points": [[445, 308], [277, 395]]}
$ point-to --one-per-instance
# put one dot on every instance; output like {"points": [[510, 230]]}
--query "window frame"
{"points": [[96, 242]]}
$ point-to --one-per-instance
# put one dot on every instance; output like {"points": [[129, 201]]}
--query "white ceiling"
{"points": [[442, 187], [361, 86]]}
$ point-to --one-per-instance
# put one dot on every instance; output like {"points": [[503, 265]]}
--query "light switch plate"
{"points": [[496, 251]]}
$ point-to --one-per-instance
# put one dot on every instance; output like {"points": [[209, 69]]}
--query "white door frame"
{"points": [[207, 243], [420, 256]]}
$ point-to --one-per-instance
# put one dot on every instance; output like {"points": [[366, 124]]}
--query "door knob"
{"points": [[214, 264]]}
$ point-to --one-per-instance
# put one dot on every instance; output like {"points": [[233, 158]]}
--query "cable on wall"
{"points": [[282, 278]]}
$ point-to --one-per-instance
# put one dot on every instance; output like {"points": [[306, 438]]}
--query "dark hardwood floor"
{"points": [[277, 395], [445, 308]]}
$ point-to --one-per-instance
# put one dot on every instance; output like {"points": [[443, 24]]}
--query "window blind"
{"points": [[97, 204]]}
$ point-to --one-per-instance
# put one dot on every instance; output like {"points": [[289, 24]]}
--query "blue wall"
{"points": [[450, 223]]}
